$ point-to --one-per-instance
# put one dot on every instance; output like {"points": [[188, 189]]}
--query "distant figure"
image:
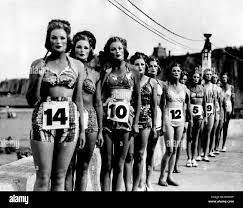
{"points": [[23, 152], [10, 114], [9, 145]]}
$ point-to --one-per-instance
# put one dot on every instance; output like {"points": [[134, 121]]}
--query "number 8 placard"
{"points": [[55, 115], [118, 111]]}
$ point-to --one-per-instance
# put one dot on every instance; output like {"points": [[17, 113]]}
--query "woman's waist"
{"points": [[57, 91], [174, 105], [55, 98], [121, 94]]}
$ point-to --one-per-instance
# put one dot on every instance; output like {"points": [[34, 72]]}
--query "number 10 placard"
{"points": [[118, 111]]}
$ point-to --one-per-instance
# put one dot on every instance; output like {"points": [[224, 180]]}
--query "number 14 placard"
{"points": [[55, 115]]}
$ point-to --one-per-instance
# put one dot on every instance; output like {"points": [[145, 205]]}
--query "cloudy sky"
{"points": [[24, 22]]}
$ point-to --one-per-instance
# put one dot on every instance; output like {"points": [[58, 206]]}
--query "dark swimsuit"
{"points": [[115, 86], [145, 120], [197, 92]]}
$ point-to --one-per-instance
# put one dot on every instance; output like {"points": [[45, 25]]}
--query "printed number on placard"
{"points": [[176, 114], [196, 110], [209, 107], [118, 111], [55, 115]]}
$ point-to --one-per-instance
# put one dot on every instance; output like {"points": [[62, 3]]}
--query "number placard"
{"points": [[176, 114], [196, 110], [209, 107], [55, 115], [118, 111]]}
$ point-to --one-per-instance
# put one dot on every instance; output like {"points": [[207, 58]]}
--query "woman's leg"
{"points": [[42, 154], [140, 144], [178, 131], [225, 129], [218, 135], [200, 142], [62, 156], [83, 159], [128, 166], [121, 146], [197, 126], [213, 135], [150, 158], [168, 138], [178, 153], [106, 162], [208, 129], [69, 180]]}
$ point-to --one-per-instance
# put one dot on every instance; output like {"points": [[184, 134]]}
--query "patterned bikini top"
{"points": [[173, 96], [146, 93], [88, 85], [197, 92], [124, 81], [66, 78]]}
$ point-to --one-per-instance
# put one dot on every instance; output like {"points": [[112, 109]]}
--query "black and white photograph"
{"points": [[121, 95]]}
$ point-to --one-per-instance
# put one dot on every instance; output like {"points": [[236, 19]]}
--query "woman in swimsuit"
{"points": [[183, 80], [211, 94], [55, 119], [218, 115], [198, 111], [83, 46], [229, 95], [221, 119], [174, 98], [147, 120], [121, 98], [153, 71]]}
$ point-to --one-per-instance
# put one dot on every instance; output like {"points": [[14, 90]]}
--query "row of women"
{"points": [[212, 106], [122, 108]]}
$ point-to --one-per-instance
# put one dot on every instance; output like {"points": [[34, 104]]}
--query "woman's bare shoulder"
{"points": [[37, 62]]}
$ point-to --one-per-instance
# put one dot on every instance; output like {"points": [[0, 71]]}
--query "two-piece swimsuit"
{"points": [[55, 119]]}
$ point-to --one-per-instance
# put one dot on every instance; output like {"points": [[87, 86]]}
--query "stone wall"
{"points": [[20, 175], [14, 86]]}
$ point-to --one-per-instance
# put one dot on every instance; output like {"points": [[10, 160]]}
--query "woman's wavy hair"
{"points": [[152, 58], [184, 73], [200, 75], [106, 54], [169, 70], [58, 24], [84, 35], [139, 55]]}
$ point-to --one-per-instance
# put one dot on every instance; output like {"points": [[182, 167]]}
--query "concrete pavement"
{"points": [[222, 173]]}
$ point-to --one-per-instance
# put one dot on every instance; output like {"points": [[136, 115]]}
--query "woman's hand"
{"points": [[100, 139], [190, 128], [108, 100], [82, 140], [161, 133], [135, 129], [206, 120], [232, 114], [154, 132]]}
